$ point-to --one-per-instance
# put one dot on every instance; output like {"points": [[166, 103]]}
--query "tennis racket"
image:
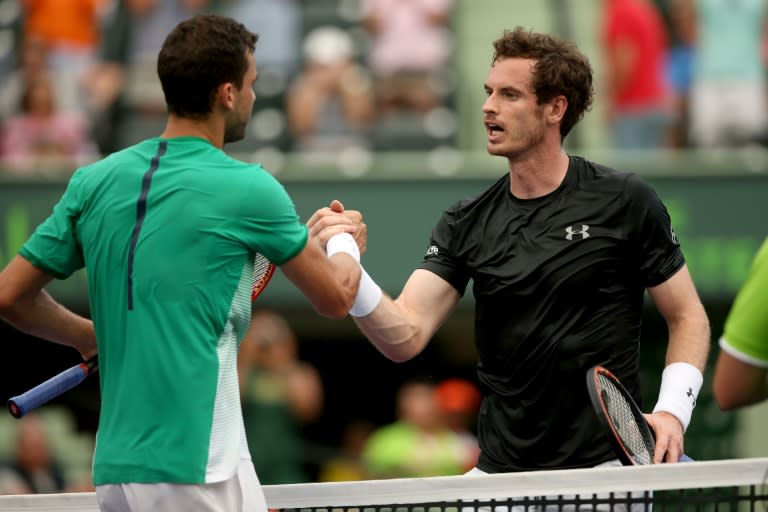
{"points": [[263, 270], [53, 387], [629, 432]]}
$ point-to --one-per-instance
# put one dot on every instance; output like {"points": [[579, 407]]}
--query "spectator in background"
{"points": [[459, 402], [409, 42], [418, 443], [636, 91], [124, 95], [70, 29], [32, 64], [278, 23], [728, 103], [41, 138], [330, 104], [279, 393], [348, 464], [33, 470], [682, 51]]}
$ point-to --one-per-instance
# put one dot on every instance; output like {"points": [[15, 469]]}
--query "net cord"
{"points": [[659, 477]]}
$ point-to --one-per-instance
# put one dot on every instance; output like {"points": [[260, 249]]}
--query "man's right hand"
{"points": [[334, 219]]}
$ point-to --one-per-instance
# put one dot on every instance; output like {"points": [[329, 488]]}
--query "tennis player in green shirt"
{"points": [[741, 373], [167, 231]]}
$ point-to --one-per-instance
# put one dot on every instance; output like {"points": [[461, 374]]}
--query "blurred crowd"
{"points": [[685, 73], [430, 432], [79, 81], [340, 79]]}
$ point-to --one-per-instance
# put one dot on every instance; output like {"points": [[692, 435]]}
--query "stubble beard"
{"points": [[518, 145], [235, 131]]}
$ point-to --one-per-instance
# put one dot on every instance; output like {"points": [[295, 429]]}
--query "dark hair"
{"points": [[560, 69], [199, 55]]}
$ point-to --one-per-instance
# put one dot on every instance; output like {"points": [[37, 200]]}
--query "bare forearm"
{"points": [[43, 317], [391, 333], [689, 340], [737, 383], [401, 328], [754, 394]]}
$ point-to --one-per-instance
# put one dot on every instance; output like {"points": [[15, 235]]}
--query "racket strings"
{"points": [[625, 422], [262, 273]]}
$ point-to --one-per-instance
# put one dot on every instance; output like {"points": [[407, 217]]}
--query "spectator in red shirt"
{"points": [[635, 43]]}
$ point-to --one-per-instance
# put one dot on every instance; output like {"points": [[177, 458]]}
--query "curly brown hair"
{"points": [[199, 55], [560, 69]]}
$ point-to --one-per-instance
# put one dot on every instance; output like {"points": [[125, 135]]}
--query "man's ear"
{"points": [[225, 95], [558, 106]]}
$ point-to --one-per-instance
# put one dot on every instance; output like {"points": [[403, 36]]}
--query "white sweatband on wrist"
{"points": [[680, 385], [343, 242], [368, 296]]}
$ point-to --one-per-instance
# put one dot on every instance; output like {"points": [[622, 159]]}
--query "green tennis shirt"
{"points": [[746, 328], [167, 231]]}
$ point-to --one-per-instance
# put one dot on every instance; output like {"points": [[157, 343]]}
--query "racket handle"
{"points": [[684, 458], [50, 389]]}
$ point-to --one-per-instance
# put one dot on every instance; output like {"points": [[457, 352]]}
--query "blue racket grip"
{"points": [[50, 389], [684, 458]]}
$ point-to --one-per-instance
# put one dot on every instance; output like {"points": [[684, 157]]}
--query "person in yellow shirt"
{"points": [[418, 443]]}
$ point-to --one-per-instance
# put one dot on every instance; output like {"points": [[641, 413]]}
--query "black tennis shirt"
{"points": [[558, 282]]}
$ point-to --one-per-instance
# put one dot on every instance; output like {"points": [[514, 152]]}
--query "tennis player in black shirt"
{"points": [[560, 251]]}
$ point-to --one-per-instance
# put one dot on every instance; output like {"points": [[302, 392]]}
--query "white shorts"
{"points": [[241, 492], [726, 113]]}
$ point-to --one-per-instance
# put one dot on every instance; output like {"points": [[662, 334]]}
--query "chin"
{"points": [[495, 150], [234, 136]]}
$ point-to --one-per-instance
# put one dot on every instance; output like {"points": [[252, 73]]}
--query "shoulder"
{"points": [[590, 171], [468, 207], [241, 169], [592, 175]]}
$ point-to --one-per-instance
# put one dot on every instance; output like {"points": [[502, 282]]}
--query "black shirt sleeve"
{"points": [[657, 245], [440, 258]]}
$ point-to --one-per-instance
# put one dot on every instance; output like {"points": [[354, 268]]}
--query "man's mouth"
{"points": [[493, 128]]}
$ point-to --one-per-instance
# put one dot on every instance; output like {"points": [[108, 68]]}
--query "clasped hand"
{"points": [[334, 219]]}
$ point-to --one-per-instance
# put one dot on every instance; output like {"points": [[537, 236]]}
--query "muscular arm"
{"points": [[741, 373], [689, 340], [737, 383], [689, 334], [28, 307], [401, 328], [330, 284]]}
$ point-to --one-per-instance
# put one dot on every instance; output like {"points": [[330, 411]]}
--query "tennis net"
{"points": [[725, 485]]}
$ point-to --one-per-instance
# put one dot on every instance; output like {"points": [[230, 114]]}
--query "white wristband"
{"points": [[680, 385], [368, 296], [343, 242]]}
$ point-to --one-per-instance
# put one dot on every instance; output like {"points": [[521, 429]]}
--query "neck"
{"points": [[209, 129], [537, 173]]}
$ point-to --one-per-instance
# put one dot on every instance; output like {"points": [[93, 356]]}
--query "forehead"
{"points": [[511, 72], [251, 65]]}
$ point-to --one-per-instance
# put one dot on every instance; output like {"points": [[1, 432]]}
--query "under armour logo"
{"points": [[690, 394], [583, 231]]}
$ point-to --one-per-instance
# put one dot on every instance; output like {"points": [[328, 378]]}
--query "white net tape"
{"points": [[660, 477]]}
